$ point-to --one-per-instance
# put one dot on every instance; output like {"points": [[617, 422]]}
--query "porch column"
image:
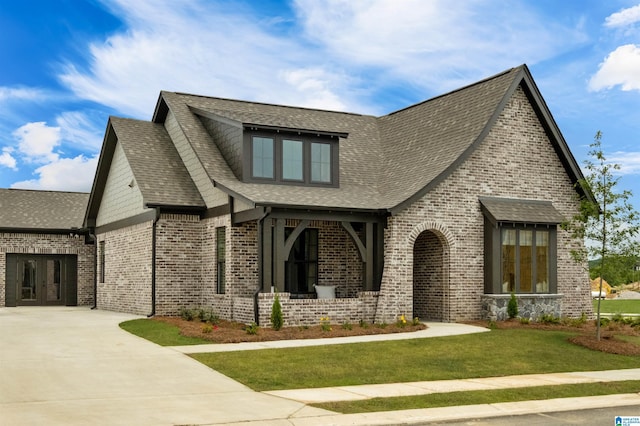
{"points": [[267, 255], [279, 259]]}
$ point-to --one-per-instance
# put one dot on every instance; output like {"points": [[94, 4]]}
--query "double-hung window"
{"points": [[525, 260], [292, 158]]}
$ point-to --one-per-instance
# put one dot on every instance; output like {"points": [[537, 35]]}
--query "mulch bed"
{"points": [[232, 332]]}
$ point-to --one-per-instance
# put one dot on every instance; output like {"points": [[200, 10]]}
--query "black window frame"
{"points": [[221, 250], [307, 140], [494, 257], [102, 260]]}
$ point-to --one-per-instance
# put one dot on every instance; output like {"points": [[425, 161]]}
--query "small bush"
{"points": [[512, 306], [549, 319], [207, 328], [346, 326], [208, 315], [325, 324], [277, 319], [415, 321], [603, 322], [524, 320], [252, 328], [187, 314], [363, 324], [492, 325], [381, 325]]}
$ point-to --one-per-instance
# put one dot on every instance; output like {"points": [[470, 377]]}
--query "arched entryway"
{"points": [[431, 276]]}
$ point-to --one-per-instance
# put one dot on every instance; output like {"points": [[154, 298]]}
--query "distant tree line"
{"points": [[617, 269]]}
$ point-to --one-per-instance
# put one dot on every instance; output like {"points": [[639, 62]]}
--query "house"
{"points": [[440, 210], [46, 257]]}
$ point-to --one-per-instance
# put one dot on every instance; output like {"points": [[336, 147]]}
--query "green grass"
{"points": [[625, 306], [482, 397], [496, 353], [159, 332]]}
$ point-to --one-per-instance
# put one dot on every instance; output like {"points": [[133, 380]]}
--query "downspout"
{"points": [[153, 262], [256, 305], [95, 269]]}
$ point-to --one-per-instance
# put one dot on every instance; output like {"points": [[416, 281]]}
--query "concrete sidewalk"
{"points": [[434, 329]]}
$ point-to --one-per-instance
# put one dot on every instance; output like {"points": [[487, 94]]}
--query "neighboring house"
{"points": [[46, 258], [440, 210]]}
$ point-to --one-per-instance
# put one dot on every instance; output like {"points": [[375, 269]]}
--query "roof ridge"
{"points": [[484, 80], [270, 104], [40, 191]]}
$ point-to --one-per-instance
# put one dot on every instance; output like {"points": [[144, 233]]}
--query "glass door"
{"points": [[40, 280], [28, 290]]}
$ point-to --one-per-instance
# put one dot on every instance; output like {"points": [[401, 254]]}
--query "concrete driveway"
{"points": [[74, 366]]}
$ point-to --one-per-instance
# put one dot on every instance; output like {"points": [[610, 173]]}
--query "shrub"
{"points": [[252, 328], [603, 321], [277, 319], [347, 326], [524, 320], [512, 306], [492, 325], [549, 319], [363, 324], [416, 321], [186, 314], [325, 324], [208, 315], [207, 328]]}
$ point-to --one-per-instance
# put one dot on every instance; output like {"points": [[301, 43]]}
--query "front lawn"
{"points": [[624, 306], [497, 353]]}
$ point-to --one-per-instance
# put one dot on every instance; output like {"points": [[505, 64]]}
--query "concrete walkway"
{"points": [[73, 366]]}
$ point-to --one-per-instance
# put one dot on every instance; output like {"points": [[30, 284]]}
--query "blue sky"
{"points": [[67, 65]]}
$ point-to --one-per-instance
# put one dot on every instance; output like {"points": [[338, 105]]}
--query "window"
{"points": [[320, 162], [291, 158], [102, 260], [220, 260], [301, 270], [525, 260], [262, 157]]}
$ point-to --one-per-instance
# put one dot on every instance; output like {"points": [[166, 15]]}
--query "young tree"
{"points": [[610, 224]]}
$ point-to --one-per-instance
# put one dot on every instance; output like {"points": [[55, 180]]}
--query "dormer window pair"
{"points": [[293, 158]]}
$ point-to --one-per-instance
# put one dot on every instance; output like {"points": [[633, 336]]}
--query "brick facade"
{"points": [[22, 243], [515, 160]]}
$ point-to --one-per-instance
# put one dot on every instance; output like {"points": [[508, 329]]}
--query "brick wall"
{"points": [[515, 160], [309, 311], [127, 272], [11, 243]]}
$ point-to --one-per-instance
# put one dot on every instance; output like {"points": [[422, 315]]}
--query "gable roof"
{"points": [[40, 211], [385, 162], [157, 167]]}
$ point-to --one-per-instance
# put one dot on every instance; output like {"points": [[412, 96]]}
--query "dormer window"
{"points": [[293, 158]]}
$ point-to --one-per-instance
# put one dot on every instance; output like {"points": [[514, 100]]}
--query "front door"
{"points": [[40, 280]]}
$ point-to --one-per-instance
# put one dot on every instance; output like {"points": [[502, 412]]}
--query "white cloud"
{"points": [[63, 174], [623, 18], [7, 160], [191, 47], [76, 128], [36, 141], [629, 162], [432, 43], [22, 93], [620, 68]]}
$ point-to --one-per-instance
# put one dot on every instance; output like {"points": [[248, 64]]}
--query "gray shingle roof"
{"points": [[159, 172], [520, 211], [42, 210], [383, 161]]}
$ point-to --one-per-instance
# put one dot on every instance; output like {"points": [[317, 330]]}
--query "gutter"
{"points": [[153, 262], [256, 305]]}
